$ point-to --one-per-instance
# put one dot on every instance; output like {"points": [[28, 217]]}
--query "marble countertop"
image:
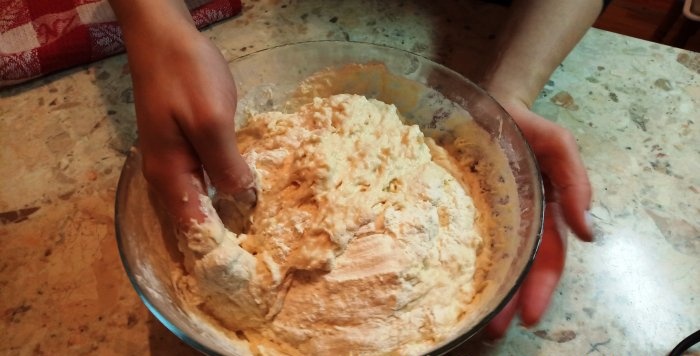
{"points": [[632, 105]]}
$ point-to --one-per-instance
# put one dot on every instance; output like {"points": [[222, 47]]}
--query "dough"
{"points": [[359, 243]]}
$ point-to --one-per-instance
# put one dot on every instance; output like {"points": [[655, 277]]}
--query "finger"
{"points": [[558, 156], [213, 136], [498, 326], [542, 280], [173, 172], [562, 164]]}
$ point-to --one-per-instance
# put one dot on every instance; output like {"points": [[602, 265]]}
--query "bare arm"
{"points": [[139, 16], [537, 37], [535, 40], [185, 101]]}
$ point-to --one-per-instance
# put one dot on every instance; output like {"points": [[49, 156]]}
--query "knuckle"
{"points": [[562, 138], [152, 171], [204, 119], [212, 119], [566, 136]]}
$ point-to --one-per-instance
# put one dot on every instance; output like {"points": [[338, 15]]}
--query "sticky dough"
{"points": [[360, 242]]}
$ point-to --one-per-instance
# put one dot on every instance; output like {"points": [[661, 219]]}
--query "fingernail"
{"points": [[588, 218], [247, 196]]}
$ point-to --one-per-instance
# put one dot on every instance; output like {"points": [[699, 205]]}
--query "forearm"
{"points": [[537, 37], [142, 20], [155, 32]]}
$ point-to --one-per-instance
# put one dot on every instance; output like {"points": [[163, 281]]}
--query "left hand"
{"points": [[568, 196], [185, 100]]}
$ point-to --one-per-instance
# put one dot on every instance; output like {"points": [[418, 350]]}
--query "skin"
{"points": [[528, 51], [185, 121]]}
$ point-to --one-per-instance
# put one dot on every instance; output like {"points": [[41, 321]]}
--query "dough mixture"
{"points": [[360, 243]]}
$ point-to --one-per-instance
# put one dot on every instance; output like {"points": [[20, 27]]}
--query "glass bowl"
{"points": [[439, 100]]}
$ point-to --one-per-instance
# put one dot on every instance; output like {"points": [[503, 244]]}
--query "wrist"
{"points": [[508, 93], [513, 81]]}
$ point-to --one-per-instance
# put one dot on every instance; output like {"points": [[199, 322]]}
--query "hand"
{"points": [[568, 196], [185, 101]]}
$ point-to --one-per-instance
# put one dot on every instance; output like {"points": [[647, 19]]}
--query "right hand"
{"points": [[568, 196], [185, 101]]}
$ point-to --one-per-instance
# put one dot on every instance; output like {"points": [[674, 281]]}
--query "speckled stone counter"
{"points": [[632, 105]]}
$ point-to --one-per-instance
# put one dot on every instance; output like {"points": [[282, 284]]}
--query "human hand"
{"points": [[185, 100], [568, 196]]}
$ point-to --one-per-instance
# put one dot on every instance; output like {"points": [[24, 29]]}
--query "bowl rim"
{"points": [[445, 348], [120, 196]]}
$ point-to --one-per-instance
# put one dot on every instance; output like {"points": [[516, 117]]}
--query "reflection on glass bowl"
{"points": [[444, 104]]}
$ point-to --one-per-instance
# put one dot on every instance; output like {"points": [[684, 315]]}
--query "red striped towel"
{"points": [[38, 37]]}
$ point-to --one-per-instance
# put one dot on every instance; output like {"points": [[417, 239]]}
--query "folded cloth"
{"points": [[38, 37]]}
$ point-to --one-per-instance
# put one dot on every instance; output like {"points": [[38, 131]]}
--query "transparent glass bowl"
{"points": [[426, 94]]}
